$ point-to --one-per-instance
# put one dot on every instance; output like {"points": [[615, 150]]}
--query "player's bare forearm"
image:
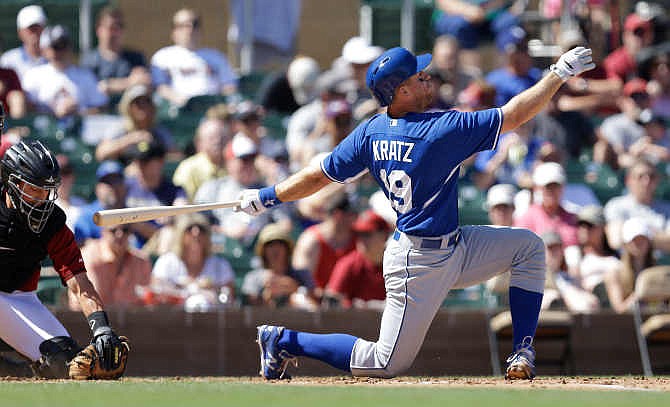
{"points": [[530, 102], [301, 184], [83, 289]]}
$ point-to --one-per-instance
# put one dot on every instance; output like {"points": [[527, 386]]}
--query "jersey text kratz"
{"points": [[386, 150]]}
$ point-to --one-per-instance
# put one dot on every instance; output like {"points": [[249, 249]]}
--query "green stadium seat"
{"points": [[183, 129], [472, 206], [276, 125], [200, 104], [50, 290], [605, 183], [469, 298], [385, 23], [249, 84], [239, 256], [575, 171]]}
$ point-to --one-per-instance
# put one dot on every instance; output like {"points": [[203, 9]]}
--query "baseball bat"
{"points": [[113, 217]]}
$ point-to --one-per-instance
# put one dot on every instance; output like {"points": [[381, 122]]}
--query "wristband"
{"points": [[268, 197], [559, 72], [97, 319]]}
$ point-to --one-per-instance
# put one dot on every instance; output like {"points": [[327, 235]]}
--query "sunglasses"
{"points": [[196, 228], [121, 229], [187, 24]]}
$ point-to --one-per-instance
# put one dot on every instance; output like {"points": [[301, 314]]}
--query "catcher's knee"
{"points": [[56, 354], [15, 368]]}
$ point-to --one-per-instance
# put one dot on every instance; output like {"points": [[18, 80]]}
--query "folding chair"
{"points": [[554, 326], [652, 291]]}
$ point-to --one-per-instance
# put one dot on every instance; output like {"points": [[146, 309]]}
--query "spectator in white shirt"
{"points": [[184, 70], [30, 22], [61, 87]]}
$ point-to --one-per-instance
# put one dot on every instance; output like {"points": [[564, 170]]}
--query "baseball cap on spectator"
{"points": [[357, 50], [341, 202], [108, 169], [241, 147], [634, 22], [248, 111], [551, 238], [6, 141], [548, 173], [56, 37], [477, 94], [130, 95], [648, 116], [500, 194], [570, 38], [272, 232], [369, 221], [277, 151], [634, 86], [337, 107], [634, 227], [512, 40], [592, 215], [145, 151], [302, 74], [30, 15], [331, 82]]}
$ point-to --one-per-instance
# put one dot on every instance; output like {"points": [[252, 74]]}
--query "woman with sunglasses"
{"points": [[190, 271]]}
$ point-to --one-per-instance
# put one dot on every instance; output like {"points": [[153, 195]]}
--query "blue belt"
{"points": [[431, 243]]}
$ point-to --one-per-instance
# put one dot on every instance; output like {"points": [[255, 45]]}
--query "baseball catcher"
{"points": [[31, 228]]}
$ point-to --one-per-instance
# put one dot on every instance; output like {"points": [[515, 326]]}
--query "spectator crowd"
{"points": [[589, 174]]}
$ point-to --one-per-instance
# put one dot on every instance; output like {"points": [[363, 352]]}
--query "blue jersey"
{"points": [[415, 160]]}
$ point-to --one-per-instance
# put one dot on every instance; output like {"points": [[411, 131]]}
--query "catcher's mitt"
{"points": [[89, 364]]}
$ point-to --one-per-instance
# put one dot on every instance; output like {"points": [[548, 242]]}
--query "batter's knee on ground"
{"points": [[528, 269], [368, 360], [56, 354]]}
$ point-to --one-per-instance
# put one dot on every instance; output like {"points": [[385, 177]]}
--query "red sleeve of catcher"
{"points": [[65, 254]]}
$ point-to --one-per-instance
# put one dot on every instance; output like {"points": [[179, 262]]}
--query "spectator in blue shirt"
{"points": [[518, 73]]}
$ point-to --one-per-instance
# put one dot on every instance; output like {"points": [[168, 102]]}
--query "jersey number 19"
{"points": [[399, 185]]}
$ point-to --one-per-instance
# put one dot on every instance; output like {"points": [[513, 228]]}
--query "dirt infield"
{"points": [[620, 383], [596, 383]]}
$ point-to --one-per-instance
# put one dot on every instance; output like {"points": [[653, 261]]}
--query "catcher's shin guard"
{"points": [[56, 354], [15, 368]]}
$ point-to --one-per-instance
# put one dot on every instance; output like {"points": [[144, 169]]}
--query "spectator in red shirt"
{"points": [[546, 212], [11, 93], [320, 246], [357, 278], [621, 63]]}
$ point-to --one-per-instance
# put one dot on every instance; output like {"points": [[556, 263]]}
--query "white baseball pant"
{"points": [[418, 279], [25, 323]]}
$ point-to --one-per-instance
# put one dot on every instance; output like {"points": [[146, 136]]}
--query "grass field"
{"points": [[320, 392]]}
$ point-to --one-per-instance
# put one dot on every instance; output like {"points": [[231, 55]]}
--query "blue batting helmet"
{"points": [[391, 69]]}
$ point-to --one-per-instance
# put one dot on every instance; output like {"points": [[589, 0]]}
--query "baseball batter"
{"points": [[32, 227], [415, 158]]}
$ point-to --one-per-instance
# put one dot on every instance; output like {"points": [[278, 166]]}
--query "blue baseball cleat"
{"points": [[521, 364], [273, 360]]}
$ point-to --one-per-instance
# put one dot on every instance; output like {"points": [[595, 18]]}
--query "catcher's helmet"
{"points": [[33, 164], [391, 69]]}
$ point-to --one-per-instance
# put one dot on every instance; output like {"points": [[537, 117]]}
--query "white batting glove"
{"points": [[573, 62], [250, 203]]}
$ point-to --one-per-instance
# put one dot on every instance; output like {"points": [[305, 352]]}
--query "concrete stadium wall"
{"points": [[324, 25], [168, 342]]}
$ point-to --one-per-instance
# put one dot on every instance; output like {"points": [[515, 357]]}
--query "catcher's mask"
{"points": [[31, 175]]}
